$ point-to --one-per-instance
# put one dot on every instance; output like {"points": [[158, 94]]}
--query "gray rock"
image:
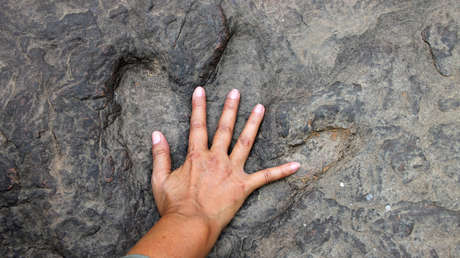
{"points": [[365, 94]]}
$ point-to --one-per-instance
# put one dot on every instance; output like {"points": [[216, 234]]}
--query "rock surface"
{"points": [[364, 93]]}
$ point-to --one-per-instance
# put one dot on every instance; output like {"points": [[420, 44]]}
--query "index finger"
{"points": [[198, 137]]}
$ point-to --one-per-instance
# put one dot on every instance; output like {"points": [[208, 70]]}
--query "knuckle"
{"points": [[225, 129], [245, 141], [227, 172], [193, 155], [268, 176], [221, 167], [213, 159], [160, 152], [230, 105], [197, 125]]}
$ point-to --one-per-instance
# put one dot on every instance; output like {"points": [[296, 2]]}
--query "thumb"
{"points": [[269, 175], [161, 158]]}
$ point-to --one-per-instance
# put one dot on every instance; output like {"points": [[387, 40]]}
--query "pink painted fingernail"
{"points": [[199, 92], [234, 94], [259, 108], [156, 137], [294, 166]]}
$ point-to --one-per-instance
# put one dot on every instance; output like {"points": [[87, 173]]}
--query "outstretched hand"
{"points": [[211, 185]]}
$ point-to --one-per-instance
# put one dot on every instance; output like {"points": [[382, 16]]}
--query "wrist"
{"points": [[200, 226]]}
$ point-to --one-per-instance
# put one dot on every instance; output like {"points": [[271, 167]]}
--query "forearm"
{"points": [[178, 236]]}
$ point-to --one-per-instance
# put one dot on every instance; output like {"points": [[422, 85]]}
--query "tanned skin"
{"points": [[197, 200]]}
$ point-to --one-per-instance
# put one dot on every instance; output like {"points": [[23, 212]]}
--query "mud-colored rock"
{"points": [[365, 94]]}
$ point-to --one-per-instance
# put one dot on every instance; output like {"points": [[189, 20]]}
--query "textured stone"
{"points": [[365, 94]]}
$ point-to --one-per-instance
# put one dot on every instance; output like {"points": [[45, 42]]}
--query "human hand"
{"points": [[211, 185]]}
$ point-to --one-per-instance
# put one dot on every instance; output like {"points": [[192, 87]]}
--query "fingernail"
{"points": [[259, 108], [199, 92], [156, 137], [234, 94], [294, 166]]}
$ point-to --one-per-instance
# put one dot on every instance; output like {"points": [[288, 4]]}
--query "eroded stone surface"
{"points": [[365, 94]]}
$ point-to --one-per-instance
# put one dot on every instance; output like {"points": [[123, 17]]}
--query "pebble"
{"points": [[369, 197], [3, 139]]}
